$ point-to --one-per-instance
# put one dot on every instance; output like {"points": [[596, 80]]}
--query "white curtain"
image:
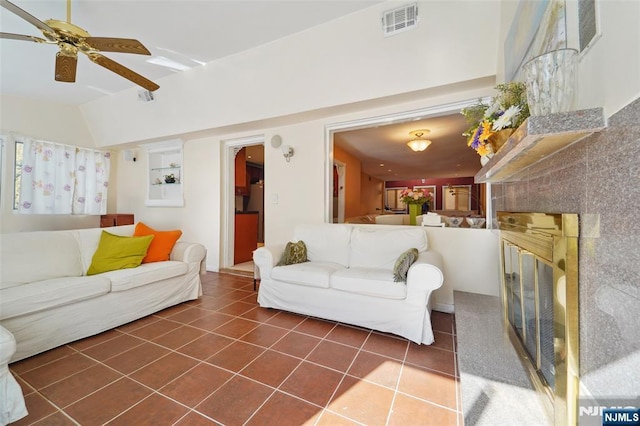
{"points": [[92, 181], [60, 179], [47, 181]]}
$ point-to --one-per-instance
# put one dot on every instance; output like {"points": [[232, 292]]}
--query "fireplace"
{"points": [[540, 300]]}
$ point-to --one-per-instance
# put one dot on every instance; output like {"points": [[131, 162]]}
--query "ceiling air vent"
{"points": [[401, 19]]}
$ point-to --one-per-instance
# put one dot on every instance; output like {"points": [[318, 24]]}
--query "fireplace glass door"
{"points": [[529, 308]]}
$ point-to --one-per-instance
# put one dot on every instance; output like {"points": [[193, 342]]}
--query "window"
{"points": [[456, 197], [51, 178], [393, 201]]}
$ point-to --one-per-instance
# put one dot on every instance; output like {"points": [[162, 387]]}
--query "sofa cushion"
{"points": [[38, 256], [402, 265], [375, 282], [117, 252], [311, 274], [325, 242], [47, 294], [90, 237], [161, 245], [124, 279], [380, 248], [293, 253]]}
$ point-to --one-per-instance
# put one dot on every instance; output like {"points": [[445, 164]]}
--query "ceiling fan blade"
{"points": [[26, 16], [123, 71], [66, 68], [23, 37], [121, 45]]}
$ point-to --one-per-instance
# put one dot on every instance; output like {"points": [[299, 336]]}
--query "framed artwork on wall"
{"points": [[538, 27], [588, 25]]}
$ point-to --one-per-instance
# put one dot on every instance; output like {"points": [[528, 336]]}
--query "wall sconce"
{"points": [[288, 152], [418, 143], [129, 155]]}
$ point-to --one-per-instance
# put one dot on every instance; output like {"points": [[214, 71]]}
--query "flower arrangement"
{"points": [[508, 110], [415, 196]]}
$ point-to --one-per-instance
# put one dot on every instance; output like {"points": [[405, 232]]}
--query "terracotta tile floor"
{"points": [[224, 360]]}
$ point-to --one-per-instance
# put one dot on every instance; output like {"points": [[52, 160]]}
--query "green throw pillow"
{"points": [[402, 265], [293, 253], [117, 252]]}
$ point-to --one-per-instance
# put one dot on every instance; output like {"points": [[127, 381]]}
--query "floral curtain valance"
{"points": [[60, 179]]}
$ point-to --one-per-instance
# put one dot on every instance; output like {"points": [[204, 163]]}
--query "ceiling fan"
{"points": [[72, 39]]}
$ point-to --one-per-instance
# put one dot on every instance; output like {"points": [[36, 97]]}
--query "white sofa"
{"points": [[349, 278], [46, 298]]}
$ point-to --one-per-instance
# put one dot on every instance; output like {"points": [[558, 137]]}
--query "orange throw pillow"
{"points": [[161, 245]]}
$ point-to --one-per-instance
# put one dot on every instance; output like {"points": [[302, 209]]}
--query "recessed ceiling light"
{"points": [[381, 164]]}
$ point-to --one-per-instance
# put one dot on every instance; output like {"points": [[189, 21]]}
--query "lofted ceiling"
{"points": [[191, 32], [384, 154], [194, 32]]}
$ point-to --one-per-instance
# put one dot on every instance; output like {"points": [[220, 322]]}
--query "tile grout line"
{"points": [[248, 300]]}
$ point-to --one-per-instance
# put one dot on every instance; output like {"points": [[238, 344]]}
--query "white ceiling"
{"points": [[187, 31], [194, 32]]}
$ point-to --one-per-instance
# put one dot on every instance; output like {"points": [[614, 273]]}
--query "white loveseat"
{"points": [[46, 298], [349, 278]]}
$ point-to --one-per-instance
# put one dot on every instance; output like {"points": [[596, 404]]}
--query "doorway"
{"points": [[242, 204]]}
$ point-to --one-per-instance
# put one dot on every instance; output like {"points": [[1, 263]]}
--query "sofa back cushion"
{"points": [[325, 242], [380, 248], [89, 239], [37, 256]]}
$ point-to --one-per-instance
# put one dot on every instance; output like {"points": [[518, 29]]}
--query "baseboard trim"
{"points": [[444, 307]]}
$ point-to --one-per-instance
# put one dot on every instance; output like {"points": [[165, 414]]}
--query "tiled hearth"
{"points": [[224, 360]]}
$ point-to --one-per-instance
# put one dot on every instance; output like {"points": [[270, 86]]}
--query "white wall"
{"points": [[299, 184], [342, 62], [471, 262], [610, 71], [49, 121]]}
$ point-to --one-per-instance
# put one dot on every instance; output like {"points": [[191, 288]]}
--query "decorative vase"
{"points": [[499, 138], [551, 81], [414, 210], [485, 159]]}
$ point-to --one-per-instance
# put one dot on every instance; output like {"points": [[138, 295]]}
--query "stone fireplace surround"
{"points": [[597, 178]]}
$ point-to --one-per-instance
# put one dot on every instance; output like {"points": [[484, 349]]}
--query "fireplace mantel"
{"points": [[537, 138]]}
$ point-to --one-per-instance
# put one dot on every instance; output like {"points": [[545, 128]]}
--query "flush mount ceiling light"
{"points": [[418, 143]]}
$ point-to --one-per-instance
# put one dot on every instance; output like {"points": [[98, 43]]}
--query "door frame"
{"points": [[230, 148], [342, 173]]}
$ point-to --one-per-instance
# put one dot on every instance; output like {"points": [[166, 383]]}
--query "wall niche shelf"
{"points": [[164, 186], [536, 139]]}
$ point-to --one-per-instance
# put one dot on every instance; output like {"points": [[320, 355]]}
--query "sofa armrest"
{"points": [[265, 258], [424, 276], [189, 253]]}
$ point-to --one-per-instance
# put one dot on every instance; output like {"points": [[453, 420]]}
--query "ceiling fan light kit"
{"points": [[72, 39], [418, 143]]}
